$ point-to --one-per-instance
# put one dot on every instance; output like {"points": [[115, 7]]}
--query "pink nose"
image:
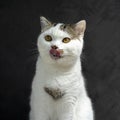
{"points": [[54, 47]]}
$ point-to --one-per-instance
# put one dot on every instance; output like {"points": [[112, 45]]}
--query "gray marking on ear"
{"points": [[45, 24], [80, 27]]}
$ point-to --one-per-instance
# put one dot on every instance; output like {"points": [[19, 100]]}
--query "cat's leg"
{"points": [[77, 110], [41, 107], [86, 116], [35, 116], [84, 110], [65, 115], [38, 115], [66, 111]]}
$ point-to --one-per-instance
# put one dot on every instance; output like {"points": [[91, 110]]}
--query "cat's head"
{"points": [[60, 43]]}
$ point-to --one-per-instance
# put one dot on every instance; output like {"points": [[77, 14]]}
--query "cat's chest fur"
{"points": [[59, 86], [57, 83]]}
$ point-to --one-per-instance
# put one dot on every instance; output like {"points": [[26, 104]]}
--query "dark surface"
{"points": [[19, 28]]}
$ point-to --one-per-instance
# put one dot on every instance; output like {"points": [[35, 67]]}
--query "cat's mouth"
{"points": [[56, 53]]}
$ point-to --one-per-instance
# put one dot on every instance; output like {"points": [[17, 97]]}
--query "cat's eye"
{"points": [[48, 38], [66, 40]]}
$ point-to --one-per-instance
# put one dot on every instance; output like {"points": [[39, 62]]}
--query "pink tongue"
{"points": [[55, 53]]}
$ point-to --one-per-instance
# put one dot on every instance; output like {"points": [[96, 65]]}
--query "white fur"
{"points": [[65, 74]]}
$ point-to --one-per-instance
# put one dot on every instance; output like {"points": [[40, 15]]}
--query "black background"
{"points": [[19, 29]]}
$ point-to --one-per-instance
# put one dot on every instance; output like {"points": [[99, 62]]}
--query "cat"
{"points": [[58, 88]]}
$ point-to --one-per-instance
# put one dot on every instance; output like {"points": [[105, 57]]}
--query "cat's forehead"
{"points": [[62, 29]]}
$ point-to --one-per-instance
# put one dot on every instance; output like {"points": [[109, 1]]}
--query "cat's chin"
{"points": [[62, 61], [54, 57]]}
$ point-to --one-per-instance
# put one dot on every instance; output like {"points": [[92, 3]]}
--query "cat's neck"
{"points": [[49, 68]]}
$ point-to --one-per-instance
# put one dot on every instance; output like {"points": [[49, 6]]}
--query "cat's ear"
{"points": [[45, 24], [80, 27]]}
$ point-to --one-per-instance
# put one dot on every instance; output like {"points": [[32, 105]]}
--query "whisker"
{"points": [[32, 55], [33, 43]]}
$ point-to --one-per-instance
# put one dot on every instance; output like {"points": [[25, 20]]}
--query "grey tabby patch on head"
{"points": [[54, 93], [71, 29]]}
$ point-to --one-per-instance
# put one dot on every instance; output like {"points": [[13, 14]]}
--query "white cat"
{"points": [[58, 89]]}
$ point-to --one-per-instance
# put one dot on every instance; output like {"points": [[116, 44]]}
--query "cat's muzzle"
{"points": [[56, 53]]}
